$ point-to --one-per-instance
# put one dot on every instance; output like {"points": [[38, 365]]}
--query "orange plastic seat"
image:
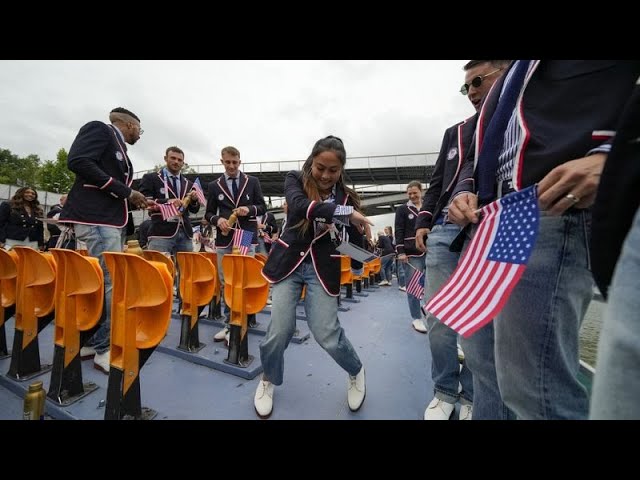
{"points": [[141, 302], [35, 290], [245, 289], [79, 298], [346, 277], [155, 256]]}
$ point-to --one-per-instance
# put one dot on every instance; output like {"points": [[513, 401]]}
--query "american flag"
{"points": [[168, 210], [415, 286], [199, 192], [494, 262], [242, 240]]}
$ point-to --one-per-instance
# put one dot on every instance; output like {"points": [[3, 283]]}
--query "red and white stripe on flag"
{"points": [[242, 239], [168, 210], [492, 265], [197, 186]]}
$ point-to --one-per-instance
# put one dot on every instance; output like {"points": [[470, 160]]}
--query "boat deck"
{"points": [[396, 360]]}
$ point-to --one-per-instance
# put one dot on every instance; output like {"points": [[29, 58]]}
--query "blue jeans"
{"points": [[322, 318], [221, 251], [445, 368], [414, 303], [536, 333], [102, 239], [616, 386], [400, 273], [178, 243], [386, 264]]}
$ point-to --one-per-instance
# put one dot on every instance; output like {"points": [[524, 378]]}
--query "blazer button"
{"points": [[302, 254]]}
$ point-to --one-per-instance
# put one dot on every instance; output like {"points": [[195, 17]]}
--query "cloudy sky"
{"points": [[269, 110]]}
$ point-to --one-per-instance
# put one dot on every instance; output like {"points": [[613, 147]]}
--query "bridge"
{"points": [[379, 180]]}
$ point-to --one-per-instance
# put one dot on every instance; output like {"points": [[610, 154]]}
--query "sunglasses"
{"points": [[476, 82]]}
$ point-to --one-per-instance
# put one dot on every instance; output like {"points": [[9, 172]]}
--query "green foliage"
{"points": [[18, 171], [54, 176]]}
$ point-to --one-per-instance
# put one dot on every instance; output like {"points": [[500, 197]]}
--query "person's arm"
{"points": [[85, 153], [301, 206], [399, 230], [425, 217], [40, 234]]}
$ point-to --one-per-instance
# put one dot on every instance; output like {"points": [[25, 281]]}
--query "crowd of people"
{"points": [[568, 127]]}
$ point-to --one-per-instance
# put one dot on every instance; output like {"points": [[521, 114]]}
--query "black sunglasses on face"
{"points": [[476, 82]]}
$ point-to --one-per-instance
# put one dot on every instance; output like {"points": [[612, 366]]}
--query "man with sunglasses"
{"points": [[480, 75], [550, 123]]}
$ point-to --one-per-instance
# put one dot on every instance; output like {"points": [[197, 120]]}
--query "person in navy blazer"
{"points": [[174, 234], [452, 383], [248, 204], [616, 262], [99, 201], [305, 255], [557, 135]]}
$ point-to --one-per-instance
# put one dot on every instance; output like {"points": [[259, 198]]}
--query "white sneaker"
{"points": [[87, 352], [384, 282], [263, 399], [404, 289], [357, 391], [466, 412], [419, 326], [101, 361], [439, 410], [221, 335]]}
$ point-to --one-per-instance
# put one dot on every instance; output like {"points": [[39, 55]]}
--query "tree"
{"points": [[55, 176], [18, 171]]}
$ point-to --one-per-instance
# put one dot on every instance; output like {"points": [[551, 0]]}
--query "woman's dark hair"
{"points": [[309, 184], [18, 202]]}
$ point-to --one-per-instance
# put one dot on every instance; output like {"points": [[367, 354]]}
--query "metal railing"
{"points": [[353, 163]]}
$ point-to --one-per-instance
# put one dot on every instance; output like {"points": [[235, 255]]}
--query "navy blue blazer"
{"points": [[152, 186], [104, 173], [618, 195], [568, 107], [292, 247], [18, 225], [406, 218], [455, 146], [220, 203]]}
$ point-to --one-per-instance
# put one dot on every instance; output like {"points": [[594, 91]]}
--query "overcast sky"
{"points": [[269, 110]]}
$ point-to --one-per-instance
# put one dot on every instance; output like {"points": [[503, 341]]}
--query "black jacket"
{"points": [[18, 225], [618, 196], [98, 157], [455, 145], [291, 248], [220, 203], [406, 217], [152, 186], [385, 245], [54, 231], [568, 107]]}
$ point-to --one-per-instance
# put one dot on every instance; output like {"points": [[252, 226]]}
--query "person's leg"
{"points": [[536, 333], [322, 318], [445, 367], [479, 358], [415, 263], [282, 326], [162, 244], [101, 239], [616, 386]]}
